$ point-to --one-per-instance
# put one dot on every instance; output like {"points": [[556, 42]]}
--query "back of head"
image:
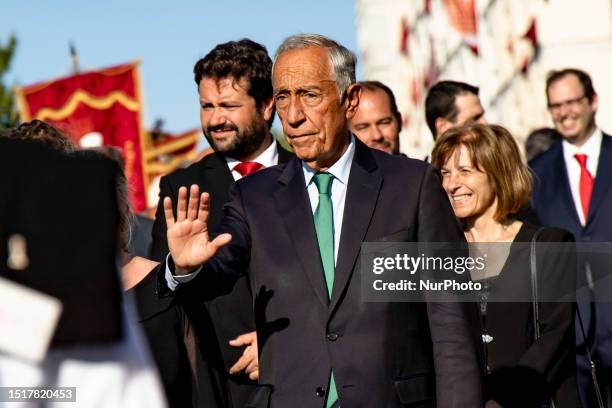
{"points": [[341, 58], [493, 151], [440, 101], [44, 134], [540, 140], [241, 60]]}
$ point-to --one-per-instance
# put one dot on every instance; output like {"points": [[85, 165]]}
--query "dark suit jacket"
{"points": [[382, 354], [524, 370], [552, 197], [221, 315], [554, 206]]}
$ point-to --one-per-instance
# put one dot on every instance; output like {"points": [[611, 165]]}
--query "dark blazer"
{"points": [[216, 318], [515, 360], [552, 198], [382, 354], [553, 204]]}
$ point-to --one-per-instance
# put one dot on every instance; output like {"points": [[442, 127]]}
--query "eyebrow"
{"points": [[304, 88], [226, 102]]}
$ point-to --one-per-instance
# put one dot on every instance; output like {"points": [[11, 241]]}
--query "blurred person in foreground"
{"points": [[487, 184], [70, 237], [377, 122], [296, 231]]}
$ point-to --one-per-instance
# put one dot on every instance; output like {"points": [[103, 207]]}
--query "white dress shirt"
{"points": [[267, 158], [591, 148], [340, 170]]}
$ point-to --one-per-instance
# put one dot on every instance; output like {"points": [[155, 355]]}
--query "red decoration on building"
{"points": [[405, 37], [462, 15], [532, 33]]}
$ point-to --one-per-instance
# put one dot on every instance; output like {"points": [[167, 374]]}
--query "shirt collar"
{"points": [[590, 147], [340, 169], [268, 157]]}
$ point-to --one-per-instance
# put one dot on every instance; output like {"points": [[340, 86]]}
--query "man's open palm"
{"points": [[188, 239]]}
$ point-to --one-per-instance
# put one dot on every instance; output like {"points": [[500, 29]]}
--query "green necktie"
{"points": [[324, 224]]}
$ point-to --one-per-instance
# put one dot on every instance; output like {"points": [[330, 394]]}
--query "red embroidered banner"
{"points": [[96, 107]]}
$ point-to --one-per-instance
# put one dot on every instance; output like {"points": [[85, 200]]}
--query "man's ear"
{"points": [[595, 103], [351, 101], [442, 125], [268, 109]]}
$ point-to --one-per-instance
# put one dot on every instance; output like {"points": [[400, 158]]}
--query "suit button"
{"points": [[320, 391], [332, 336]]}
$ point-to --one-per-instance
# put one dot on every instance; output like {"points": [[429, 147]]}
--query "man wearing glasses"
{"points": [[572, 190]]}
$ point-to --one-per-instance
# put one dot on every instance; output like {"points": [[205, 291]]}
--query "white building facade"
{"points": [[505, 47]]}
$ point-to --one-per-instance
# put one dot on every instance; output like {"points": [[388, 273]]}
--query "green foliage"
{"points": [[8, 114]]}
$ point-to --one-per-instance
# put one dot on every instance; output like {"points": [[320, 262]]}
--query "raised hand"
{"points": [[188, 239]]}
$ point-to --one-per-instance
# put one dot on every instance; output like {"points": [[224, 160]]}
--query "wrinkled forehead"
{"points": [[301, 66]]}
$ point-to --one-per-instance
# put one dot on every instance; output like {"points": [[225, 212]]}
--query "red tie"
{"points": [[586, 184], [248, 168]]}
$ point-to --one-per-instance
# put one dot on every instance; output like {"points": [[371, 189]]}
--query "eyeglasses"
{"points": [[570, 103]]}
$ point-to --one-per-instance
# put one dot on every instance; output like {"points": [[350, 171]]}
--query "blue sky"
{"points": [[169, 37]]}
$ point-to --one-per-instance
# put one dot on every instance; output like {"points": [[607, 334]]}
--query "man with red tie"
{"points": [[572, 191], [191, 340]]}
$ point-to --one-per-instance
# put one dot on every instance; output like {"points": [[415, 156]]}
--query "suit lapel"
{"points": [[295, 212], [216, 179], [216, 168], [603, 177], [361, 196]]}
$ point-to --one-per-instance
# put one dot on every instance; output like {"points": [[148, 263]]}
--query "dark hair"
{"points": [[493, 151], [43, 133], [440, 101], [244, 59], [377, 85], [583, 78], [540, 140]]}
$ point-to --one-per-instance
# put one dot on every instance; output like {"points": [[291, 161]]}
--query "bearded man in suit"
{"points": [[191, 339], [296, 231]]}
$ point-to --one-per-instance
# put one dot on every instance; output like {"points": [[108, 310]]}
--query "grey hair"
{"points": [[341, 58]]}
